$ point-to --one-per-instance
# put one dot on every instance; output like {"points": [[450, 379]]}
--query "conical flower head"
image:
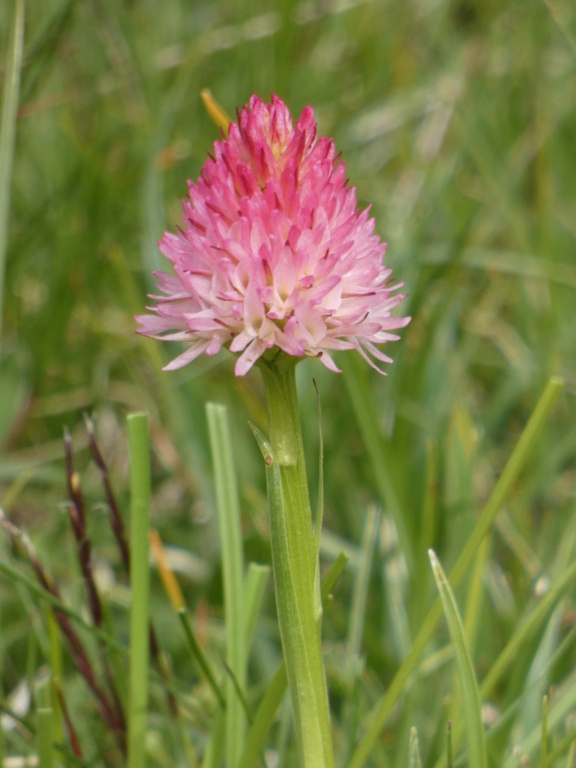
{"points": [[274, 254]]}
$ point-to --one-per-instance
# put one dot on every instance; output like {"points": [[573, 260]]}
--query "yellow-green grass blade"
{"points": [[414, 751], [233, 575], [528, 438], [471, 705], [139, 449]]}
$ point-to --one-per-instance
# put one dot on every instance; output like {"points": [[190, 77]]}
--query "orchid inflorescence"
{"points": [[274, 254]]}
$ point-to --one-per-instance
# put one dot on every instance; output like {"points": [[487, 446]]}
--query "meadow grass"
{"points": [[457, 124]]}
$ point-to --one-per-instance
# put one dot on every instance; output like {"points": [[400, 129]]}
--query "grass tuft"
{"points": [[456, 123]]}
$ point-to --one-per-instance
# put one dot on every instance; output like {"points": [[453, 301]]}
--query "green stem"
{"points": [[295, 574]]}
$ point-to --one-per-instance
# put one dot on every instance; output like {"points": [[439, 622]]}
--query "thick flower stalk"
{"points": [[275, 263], [274, 254]]}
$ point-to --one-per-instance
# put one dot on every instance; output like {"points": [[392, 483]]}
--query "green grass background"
{"points": [[457, 122]]}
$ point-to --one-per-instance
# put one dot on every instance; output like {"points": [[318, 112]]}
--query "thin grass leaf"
{"points": [[472, 708], [241, 696], [564, 651], [319, 516], [320, 503], [519, 546], [44, 720], [331, 578], [378, 452], [255, 586], [561, 708], [414, 750], [378, 716], [2, 734], [139, 449], [55, 639], [172, 589], [511, 471], [8, 136], [544, 745], [357, 617], [528, 717], [70, 729], [233, 575], [39, 592], [537, 676], [395, 577], [475, 593], [362, 582], [571, 754], [264, 718], [200, 657], [216, 743], [430, 504], [525, 630]]}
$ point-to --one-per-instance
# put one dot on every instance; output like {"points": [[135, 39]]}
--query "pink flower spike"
{"points": [[274, 255]]}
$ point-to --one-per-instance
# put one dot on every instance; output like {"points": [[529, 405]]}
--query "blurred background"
{"points": [[457, 123]]}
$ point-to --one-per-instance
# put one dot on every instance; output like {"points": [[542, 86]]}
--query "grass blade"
{"points": [[511, 471], [233, 575], [215, 747], [544, 745], [172, 589], [571, 754], [378, 716], [254, 589], [44, 720], [199, 655], [530, 624], [378, 452], [471, 697], [362, 583], [139, 449], [8, 136], [264, 718], [558, 714], [414, 759], [55, 639]]}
